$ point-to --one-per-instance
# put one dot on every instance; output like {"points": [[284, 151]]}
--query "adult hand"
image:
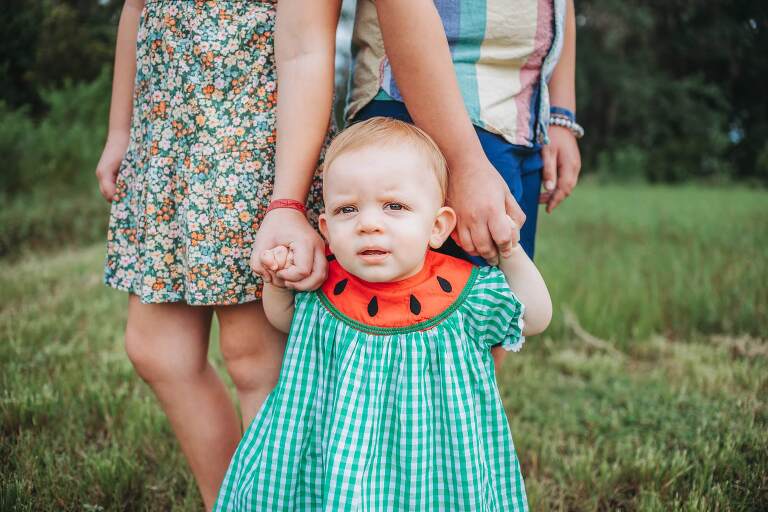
{"points": [[483, 202], [562, 163], [109, 164], [290, 228]]}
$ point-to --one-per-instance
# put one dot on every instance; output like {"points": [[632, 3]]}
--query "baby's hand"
{"points": [[514, 243], [516, 228], [277, 258]]}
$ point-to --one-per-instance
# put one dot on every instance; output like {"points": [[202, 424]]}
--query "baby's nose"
{"points": [[369, 222]]}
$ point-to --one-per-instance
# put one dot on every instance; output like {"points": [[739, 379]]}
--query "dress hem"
{"points": [[168, 298]]}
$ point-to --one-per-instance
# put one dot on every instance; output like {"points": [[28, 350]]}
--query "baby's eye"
{"points": [[394, 206], [346, 209]]}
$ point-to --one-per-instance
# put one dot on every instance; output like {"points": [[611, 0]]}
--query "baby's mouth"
{"points": [[373, 254]]}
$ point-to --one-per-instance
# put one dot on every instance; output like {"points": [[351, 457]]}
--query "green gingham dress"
{"points": [[370, 418]]}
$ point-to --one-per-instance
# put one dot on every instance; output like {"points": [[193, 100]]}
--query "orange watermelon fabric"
{"points": [[410, 301]]}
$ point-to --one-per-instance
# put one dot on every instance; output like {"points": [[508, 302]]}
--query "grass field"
{"points": [[649, 391]]}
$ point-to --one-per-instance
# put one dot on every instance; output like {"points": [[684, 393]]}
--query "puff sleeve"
{"points": [[492, 313]]}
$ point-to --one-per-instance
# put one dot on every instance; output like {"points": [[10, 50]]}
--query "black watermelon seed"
{"points": [[415, 305], [330, 257], [340, 286], [373, 307], [444, 284]]}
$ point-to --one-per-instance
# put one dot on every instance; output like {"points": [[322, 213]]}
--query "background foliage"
{"points": [[668, 90], [671, 90]]}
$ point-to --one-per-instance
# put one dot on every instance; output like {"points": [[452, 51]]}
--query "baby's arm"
{"points": [[278, 300], [526, 282]]}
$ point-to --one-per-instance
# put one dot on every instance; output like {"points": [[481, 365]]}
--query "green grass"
{"points": [[652, 396], [632, 261]]}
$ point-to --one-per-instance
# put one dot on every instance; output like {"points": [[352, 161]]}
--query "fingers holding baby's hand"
{"points": [[283, 257], [273, 260], [267, 263], [277, 258]]}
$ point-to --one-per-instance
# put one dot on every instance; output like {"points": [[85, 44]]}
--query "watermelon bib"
{"points": [[417, 300]]}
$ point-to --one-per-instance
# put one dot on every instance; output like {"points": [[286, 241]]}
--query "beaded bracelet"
{"points": [[286, 203], [572, 125]]}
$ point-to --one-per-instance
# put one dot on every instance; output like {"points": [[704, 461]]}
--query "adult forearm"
{"points": [[305, 45], [417, 48], [121, 106], [562, 86], [303, 114]]}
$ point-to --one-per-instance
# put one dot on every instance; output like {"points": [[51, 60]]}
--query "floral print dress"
{"points": [[198, 173]]}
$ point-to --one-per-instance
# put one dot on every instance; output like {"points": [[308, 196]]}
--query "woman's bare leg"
{"points": [[253, 352], [168, 346]]}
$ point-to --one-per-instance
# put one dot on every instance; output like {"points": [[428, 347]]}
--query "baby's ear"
{"points": [[322, 224], [445, 221]]}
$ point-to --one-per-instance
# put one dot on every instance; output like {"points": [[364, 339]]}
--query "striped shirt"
{"points": [[503, 51]]}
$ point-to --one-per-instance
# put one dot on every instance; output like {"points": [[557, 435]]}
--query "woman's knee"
{"points": [[158, 359], [167, 342]]}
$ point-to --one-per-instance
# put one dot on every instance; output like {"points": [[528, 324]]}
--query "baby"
{"points": [[387, 398]]}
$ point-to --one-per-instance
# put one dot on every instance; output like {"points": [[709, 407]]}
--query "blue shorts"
{"points": [[519, 166]]}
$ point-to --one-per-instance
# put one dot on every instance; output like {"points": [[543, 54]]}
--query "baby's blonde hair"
{"points": [[384, 130]]}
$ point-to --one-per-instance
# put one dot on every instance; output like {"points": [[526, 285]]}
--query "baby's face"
{"points": [[383, 208]]}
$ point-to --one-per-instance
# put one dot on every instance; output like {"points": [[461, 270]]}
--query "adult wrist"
{"points": [[464, 156], [118, 136], [287, 204], [565, 118], [467, 163]]}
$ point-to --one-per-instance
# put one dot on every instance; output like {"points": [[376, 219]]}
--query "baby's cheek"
{"points": [[333, 245], [410, 250], [416, 234]]}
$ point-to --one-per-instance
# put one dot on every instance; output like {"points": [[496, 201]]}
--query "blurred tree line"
{"points": [[55, 82], [668, 90], [47, 42], [674, 89]]}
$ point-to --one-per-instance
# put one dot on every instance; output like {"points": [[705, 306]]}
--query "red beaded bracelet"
{"points": [[286, 203]]}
